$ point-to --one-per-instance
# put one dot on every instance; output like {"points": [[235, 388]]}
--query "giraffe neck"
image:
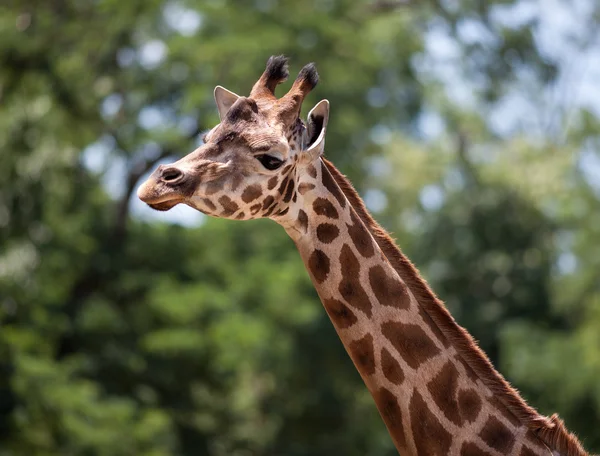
{"points": [[430, 399]]}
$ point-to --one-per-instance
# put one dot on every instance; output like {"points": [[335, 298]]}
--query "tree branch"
{"points": [[136, 171]]}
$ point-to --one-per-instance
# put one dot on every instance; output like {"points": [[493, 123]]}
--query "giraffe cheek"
{"points": [[209, 205], [229, 207], [251, 193]]}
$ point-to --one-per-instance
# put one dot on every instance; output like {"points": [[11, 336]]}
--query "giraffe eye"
{"points": [[269, 162]]}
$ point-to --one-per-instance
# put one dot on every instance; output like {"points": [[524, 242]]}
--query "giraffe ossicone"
{"points": [[437, 393]]}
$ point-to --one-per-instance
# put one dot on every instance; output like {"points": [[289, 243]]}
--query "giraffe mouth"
{"points": [[164, 205], [155, 195]]}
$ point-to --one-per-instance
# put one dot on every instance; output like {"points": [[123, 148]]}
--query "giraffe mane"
{"points": [[551, 431]]}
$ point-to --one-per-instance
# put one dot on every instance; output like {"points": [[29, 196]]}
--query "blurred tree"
{"points": [[490, 255]]}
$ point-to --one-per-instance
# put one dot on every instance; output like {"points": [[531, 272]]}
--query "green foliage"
{"points": [[123, 335]]}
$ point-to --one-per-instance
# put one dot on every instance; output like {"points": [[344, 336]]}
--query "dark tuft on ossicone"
{"points": [[277, 70], [309, 76]]}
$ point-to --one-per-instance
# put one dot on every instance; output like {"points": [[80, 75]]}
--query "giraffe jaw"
{"points": [[164, 206]]}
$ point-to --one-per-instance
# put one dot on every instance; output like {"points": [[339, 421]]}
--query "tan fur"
{"points": [[551, 431]]}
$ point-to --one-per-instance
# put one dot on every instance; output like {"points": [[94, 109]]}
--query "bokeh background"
{"points": [[471, 128]]}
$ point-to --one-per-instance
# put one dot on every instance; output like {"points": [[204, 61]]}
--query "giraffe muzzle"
{"points": [[162, 190]]}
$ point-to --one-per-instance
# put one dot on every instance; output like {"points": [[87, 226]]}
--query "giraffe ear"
{"points": [[317, 127], [224, 99]]}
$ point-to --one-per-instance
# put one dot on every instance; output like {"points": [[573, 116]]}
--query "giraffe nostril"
{"points": [[171, 175]]}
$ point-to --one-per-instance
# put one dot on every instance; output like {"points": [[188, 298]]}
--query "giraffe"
{"points": [[436, 391]]}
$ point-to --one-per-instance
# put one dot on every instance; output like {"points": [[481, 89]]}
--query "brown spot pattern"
{"points": [[469, 404], [389, 291], [305, 187], [269, 211], [272, 182], [229, 206], [497, 435], [390, 368], [322, 206], [330, 185], [443, 389], [318, 263], [326, 232], [303, 220], [470, 449], [251, 192], [350, 287], [209, 204], [311, 170], [430, 436], [361, 237], [435, 329], [255, 208], [288, 192], [390, 411], [283, 185], [267, 202], [339, 313], [363, 354], [411, 342], [240, 216]]}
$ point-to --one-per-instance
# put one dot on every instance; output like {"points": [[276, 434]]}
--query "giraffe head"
{"points": [[247, 165]]}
